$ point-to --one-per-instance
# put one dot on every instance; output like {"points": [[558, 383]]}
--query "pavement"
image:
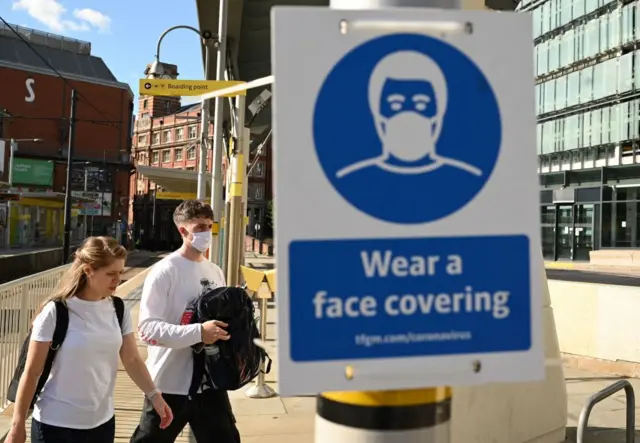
{"points": [[291, 420]]}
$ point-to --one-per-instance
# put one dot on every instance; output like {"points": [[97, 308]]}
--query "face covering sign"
{"points": [[407, 199]]}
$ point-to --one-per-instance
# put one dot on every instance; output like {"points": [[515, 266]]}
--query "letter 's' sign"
{"points": [[31, 95]]}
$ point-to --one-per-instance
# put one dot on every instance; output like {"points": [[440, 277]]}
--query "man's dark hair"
{"points": [[190, 210]]}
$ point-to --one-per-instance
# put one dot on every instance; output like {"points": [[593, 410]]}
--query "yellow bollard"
{"points": [[407, 416], [258, 283]]}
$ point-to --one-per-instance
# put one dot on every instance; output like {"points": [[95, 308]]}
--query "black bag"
{"points": [[229, 365], [59, 334]]}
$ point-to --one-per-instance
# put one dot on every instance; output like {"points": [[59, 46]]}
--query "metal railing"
{"points": [[19, 300], [606, 393]]}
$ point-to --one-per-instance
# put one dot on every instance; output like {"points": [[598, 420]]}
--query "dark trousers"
{"points": [[43, 433], [208, 414]]}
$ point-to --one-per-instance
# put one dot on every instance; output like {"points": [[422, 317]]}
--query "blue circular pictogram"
{"points": [[407, 128]]}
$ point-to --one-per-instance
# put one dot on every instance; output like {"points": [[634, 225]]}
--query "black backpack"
{"points": [[59, 334], [229, 365]]}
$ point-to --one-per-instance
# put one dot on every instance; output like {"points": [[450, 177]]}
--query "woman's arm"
{"points": [[36, 358], [139, 373], [134, 365]]}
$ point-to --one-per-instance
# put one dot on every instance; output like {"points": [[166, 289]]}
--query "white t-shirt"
{"points": [[171, 284], [79, 391]]}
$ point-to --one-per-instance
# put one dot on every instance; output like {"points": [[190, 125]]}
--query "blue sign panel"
{"points": [[407, 128], [353, 299]]}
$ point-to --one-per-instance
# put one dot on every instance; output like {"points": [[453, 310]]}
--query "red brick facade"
{"points": [[172, 141], [38, 106]]}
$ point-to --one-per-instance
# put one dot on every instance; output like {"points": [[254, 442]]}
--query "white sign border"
{"points": [[313, 26]]}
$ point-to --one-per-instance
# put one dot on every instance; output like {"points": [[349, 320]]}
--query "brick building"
{"points": [[35, 104], [167, 135]]}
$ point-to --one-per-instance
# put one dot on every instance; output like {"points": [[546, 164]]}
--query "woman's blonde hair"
{"points": [[95, 253]]}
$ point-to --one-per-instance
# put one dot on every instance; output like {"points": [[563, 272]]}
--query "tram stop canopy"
{"points": [[175, 180]]}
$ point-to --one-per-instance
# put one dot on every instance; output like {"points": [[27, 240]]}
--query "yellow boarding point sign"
{"points": [[176, 196], [181, 88]]}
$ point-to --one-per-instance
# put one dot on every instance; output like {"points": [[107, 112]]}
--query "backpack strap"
{"points": [[118, 304], [59, 333]]}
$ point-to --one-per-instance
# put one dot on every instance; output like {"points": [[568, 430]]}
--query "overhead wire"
{"points": [[81, 96]]}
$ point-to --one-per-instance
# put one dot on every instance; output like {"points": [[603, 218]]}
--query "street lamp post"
{"points": [[156, 70], [66, 245]]}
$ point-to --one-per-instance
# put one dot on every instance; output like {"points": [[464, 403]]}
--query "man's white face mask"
{"points": [[409, 136], [201, 240]]}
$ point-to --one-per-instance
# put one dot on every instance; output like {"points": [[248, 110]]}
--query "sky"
{"points": [[124, 33]]}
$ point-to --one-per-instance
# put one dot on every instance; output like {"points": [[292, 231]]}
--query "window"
{"points": [[548, 137], [145, 103], [610, 77], [554, 54], [178, 155], [614, 29], [627, 23], [179, 134], [155, 156], [255, 191], [192, 132], [537, 22], [142, 140], [258, 170], [625, 73], [567, 48], [156, 138], [561, 93], [614, 124], [565, 13], [191, 153], [578, 8], [543, 58], [598, 81], [604, 35], [166, 137], [591, 38], [545, 16], [591, 5], [586, 84], [166, 156], [596, 124], [549, 96], [539, 139], [573, 88]]}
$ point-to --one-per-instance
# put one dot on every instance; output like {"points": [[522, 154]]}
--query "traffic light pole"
{"points": [[402, 416]]}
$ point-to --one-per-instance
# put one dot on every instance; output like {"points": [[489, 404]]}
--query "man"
{"points": [[164, 326]]}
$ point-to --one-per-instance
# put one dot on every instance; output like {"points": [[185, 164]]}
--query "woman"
{"points": [[76, 403]]}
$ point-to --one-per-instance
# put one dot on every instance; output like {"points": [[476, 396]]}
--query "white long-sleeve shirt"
{"points": [[171, 284]]}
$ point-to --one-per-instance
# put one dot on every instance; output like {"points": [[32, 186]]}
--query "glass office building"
{"points": [[587, 61]]}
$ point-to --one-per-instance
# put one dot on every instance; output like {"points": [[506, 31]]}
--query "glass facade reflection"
{"points": [[587, 89]]}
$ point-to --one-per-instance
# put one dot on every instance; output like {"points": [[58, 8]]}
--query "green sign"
{"points": [[32, 172]]}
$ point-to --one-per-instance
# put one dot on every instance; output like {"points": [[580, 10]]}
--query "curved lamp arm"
{"points": [[168, 31]]}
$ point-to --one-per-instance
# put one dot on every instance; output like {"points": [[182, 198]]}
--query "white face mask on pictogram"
{"points": [[413, 126]]}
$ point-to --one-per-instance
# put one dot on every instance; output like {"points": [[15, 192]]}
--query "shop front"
{"points": [[37, 220], [576, 221]]}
